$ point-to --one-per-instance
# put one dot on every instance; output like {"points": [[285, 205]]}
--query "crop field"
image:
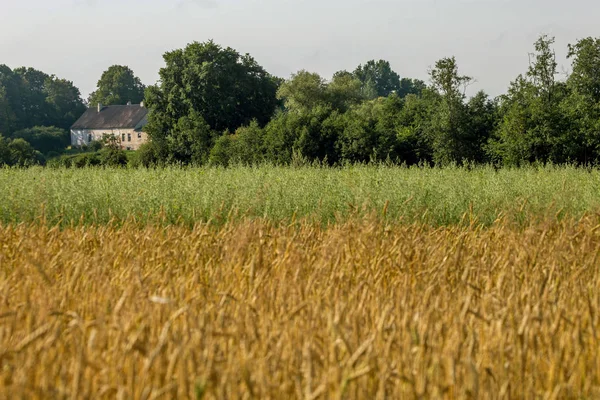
{"points": [[335, 284]]}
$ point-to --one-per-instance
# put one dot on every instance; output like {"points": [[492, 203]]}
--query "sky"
{"points": [[79, 39]]}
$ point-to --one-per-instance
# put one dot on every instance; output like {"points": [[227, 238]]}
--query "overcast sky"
{"points": [[78, 39]]}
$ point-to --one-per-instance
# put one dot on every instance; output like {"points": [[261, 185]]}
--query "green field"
{"points": [[187, 195]]}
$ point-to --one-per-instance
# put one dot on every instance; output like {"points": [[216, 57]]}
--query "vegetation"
{"points": [[19, 153], [436, 196], [29, 98], [248, 310], [216, 106], [364, 236], [372, 114], [46, 140], [117, 86], [206, 88]]}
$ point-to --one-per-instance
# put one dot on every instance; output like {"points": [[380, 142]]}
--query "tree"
{"points": [[582, 106], [11, 114], [482, 120], [344, 91], [585, 78], [226, 89], [190, 140], [413, 126], [410, 86], [118, 85], [370, 132], [303, 91], [22, 154], [533, 126], [305, 133], [29, 98], [378, 79], [64, 101], [449, 130]]}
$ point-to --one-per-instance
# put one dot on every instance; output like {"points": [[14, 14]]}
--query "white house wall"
{"points": [[129, 138]]}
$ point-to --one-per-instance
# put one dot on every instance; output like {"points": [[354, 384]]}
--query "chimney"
{"points": [[142, 104], [129, 103], [99, 107]]}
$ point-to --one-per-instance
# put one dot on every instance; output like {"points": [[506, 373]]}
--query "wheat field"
{"points": [[255, 310]]}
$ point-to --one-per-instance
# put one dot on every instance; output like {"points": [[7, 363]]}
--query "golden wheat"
{"points": [[251, 310]]}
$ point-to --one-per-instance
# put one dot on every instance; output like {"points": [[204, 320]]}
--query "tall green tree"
{"points": [[303, 92], [11, 110], [411, 86], [449, 131], [225, 88], [344, 91], [117, 86], [29, 97], [533, 126], [46, 100], [378, 79], [582, 106], [370, 132], [65, 103]]}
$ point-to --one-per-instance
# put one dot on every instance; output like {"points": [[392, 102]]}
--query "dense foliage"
{"points": [[18, 152], [29, 98], [372, 114], [117, 86], [46, 140], [215, 106]]}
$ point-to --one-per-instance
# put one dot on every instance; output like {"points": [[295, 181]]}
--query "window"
{"points": [[139, 135], [123, 137], [128, 148], [89, 137], [129, 137]]}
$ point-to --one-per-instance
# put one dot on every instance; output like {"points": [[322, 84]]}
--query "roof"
{"points": [[113, 117]]}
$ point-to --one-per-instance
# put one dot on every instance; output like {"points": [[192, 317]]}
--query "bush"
{"points": [[44, 139], [96, 145], [86, 160], [22, 154], [148, 155], [112, 158]]}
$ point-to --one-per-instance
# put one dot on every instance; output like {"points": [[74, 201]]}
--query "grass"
{"points": [[439, 197], [250, 309]]}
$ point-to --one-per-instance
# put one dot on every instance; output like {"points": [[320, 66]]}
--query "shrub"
{"points": [[44, 139], [148, 155], [112, 158]]}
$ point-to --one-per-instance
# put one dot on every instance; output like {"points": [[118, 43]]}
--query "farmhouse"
{"points": [[126, 123]]}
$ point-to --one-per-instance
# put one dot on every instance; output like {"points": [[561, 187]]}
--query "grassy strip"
{"points": [[187, 195]]}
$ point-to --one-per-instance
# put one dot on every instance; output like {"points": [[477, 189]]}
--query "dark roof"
{"points": [[113, 117]]}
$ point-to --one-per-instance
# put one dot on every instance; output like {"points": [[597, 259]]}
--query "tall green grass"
{"points": [[438, 196]]}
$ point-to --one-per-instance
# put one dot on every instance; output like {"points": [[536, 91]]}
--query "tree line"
{"points": [[213, 105]]}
